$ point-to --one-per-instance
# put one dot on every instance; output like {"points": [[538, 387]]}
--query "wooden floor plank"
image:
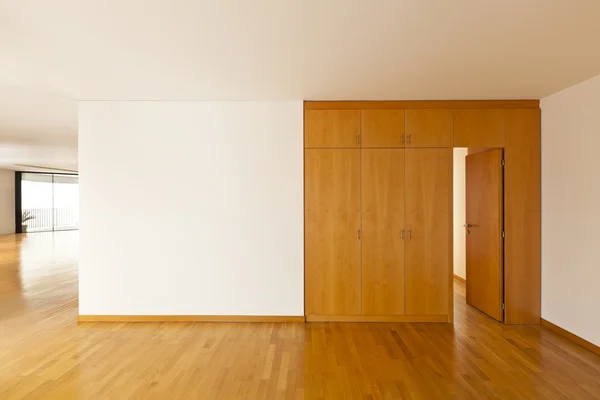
{"points": [[44, 354]]}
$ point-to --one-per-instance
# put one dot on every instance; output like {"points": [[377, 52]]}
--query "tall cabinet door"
{"points": [[429, 230], [332, 236], [383, 225], [332, 128]]}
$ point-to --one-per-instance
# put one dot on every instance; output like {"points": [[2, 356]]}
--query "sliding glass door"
{"points": [[66, 202], [49, 202]]}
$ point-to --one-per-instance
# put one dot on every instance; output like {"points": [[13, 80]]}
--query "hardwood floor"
{"points": [[44, 354]]}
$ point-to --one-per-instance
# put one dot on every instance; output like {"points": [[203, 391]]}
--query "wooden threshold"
{"points": [[376, 318], [571, 336], [188, 318], [422, 104], [460, 279]]}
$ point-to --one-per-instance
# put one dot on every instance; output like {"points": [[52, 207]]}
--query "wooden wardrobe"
{"points": [[378, 206], [378, 215]]}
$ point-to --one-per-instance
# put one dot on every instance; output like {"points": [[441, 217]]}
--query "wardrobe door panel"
{"points": [[382, 128], [332, 128], [522, 196], [332, 223], [429, 128], [382, 227], [479, 127], [429, 230]]}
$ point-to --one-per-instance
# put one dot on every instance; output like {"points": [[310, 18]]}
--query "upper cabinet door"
{"points": [[382, 128], [332, 128], [429, 128], [479, 128]]}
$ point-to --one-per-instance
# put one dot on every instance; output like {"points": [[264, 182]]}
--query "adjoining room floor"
{"points": [[45, 354]]}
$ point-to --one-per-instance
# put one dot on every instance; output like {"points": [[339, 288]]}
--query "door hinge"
{"points": [[503, 163], [502, 233], [503, 306]]}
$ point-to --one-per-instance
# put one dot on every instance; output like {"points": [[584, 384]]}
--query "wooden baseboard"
{"points": [[261, 318], [377, 318], [188, 318], [458, 278], [571, 336]]}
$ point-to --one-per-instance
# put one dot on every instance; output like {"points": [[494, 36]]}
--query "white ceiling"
{"points": [[37, 128], [287, 49]]}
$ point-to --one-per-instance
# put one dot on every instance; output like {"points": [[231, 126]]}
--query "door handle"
{"points": [[409, 234], [468, 225], [402, 234]]}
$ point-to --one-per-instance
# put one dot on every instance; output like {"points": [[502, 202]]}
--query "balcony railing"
{"points": [[48, 219]]}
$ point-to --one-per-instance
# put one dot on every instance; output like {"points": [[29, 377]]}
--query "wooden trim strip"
{"points": [[188, 318], [571, 336], [411, 104], [450, 263], [460, 279], [377, 318]]}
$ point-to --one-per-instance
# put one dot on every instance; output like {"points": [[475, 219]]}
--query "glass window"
{"points": [[49, 202]]}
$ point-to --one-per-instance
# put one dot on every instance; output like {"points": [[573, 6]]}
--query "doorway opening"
{"points": [[479, 227]]}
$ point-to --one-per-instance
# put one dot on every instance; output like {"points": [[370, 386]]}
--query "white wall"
{"points": [[7, 202], [191, 208], [460, 244], [571, 209]]}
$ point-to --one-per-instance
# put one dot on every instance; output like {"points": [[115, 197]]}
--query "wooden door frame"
{"points": [[522, 195]]}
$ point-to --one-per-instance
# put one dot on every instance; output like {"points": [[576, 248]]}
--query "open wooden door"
{"points": [[484, 229]]}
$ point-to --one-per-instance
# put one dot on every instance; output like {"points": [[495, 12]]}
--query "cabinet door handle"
{"points": [[402, 234], [358, 234], [409, 234], [409, 138]]}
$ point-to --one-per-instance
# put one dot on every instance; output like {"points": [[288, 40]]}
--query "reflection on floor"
{"points": [[44, 354]]}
